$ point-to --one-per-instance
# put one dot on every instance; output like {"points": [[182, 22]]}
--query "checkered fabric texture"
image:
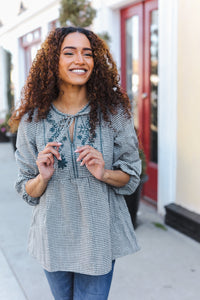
{"points": [[79, 224]]}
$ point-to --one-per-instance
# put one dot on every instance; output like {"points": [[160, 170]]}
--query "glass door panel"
{"points": [[154, 86], [132, 64]]}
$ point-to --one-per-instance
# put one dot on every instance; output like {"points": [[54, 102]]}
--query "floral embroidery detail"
{"points": [[83, 133], [58, 132], [56, 129], [62, 163]]}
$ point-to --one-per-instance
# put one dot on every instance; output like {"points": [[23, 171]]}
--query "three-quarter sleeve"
{"points": [[126, 154], [26, 155]]}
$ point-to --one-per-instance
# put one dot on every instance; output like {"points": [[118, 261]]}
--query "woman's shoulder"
{"points": [[28, 125], [25, 117], [120, 119]]}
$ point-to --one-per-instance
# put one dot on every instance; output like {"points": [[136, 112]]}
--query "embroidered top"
{"points": [[79, 224]]}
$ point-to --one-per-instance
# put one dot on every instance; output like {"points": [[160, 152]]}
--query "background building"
{"points": [[155, 44]]}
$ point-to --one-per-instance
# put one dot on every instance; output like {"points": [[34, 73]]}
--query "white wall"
{"points": [[167, 104], [3, 88], [108, 20], [188, 141]]}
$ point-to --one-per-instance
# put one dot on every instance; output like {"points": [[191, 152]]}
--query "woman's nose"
{"points": [[79, 58]]}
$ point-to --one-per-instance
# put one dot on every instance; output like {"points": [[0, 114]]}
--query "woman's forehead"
{"points": [[77, 40]]}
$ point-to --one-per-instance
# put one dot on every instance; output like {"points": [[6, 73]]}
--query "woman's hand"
{"points": [[93, 160], [45, 160]]}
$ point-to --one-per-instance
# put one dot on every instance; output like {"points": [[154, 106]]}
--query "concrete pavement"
{"points": [[166, 268]]}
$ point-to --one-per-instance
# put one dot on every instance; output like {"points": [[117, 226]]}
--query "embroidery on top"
{"points": [[63, 162], [57, 134], [83, 133], [57, 129]]}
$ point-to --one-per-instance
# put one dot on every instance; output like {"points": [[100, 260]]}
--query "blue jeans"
{"points": [[75, 286]]}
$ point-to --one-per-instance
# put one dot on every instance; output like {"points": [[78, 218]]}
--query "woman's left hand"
{"points": [[93, 160]]}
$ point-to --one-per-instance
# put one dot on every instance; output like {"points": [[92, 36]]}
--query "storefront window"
{"points": [[30, 43]]}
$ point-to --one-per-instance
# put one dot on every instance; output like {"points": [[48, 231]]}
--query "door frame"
{"points": [[143, 10], [125, 14]]}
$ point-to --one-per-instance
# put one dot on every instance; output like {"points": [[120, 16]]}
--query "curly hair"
{"points": [[42, 85]]}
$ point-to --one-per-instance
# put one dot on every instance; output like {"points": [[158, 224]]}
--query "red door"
{"points": [[139, 35]]}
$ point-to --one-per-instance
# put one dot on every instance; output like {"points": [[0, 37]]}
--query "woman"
{"points": [[77, 154]]}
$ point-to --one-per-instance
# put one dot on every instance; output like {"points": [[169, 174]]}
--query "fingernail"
{"points": [[76, 150], [59, 143], [59, 157], [81, 164], [78, 159]]}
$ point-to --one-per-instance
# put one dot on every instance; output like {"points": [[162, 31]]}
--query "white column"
{"points": [[167, 105]]}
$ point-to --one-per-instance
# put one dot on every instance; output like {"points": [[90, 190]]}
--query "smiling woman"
{"points": [[77, 153], [76, 59]]}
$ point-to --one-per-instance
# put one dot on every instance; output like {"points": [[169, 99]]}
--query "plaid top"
{"points": [[79, 224]]}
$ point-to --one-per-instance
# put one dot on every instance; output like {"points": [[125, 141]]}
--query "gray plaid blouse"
{"points": [[79, 224]]}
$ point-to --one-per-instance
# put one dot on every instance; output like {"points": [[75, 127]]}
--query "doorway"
{"points": [[139, 76]]}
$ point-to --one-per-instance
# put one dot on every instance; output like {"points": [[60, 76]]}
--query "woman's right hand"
{"points": [[45, 160]]}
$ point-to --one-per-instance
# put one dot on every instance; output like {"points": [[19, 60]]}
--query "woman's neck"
{"points": [[71, 99]]}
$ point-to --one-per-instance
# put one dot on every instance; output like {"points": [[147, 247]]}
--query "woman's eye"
{"points": [[88, 54], [68, 53]]}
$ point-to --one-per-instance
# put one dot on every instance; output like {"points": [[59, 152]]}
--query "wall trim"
{"points": [[183, 220]]}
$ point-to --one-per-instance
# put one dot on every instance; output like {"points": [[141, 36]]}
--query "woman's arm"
{"points": [[36, 187], [94, 162], [116, 178]]}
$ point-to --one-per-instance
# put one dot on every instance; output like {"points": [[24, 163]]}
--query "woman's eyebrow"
{"points": [[71, 47]]}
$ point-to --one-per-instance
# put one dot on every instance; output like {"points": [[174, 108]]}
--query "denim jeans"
{"points": [[75, 286]]}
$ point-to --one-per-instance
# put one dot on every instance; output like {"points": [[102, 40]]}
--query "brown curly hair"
{"points": [[42, 85]]}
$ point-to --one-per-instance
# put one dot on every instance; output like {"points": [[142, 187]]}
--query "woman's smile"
{"points": [[78, 70]]}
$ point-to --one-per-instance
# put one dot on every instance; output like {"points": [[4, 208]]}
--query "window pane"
{"points": [[34, 49]]}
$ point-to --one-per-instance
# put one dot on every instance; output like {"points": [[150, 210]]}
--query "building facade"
{"points": [[156, 52]]}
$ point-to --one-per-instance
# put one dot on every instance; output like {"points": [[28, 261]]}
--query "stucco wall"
{"points": [[3, 88], [188, 131]]}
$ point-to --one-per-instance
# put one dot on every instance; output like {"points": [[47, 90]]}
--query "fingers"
{"points": [[88, 153], [45, 159], [92, 162], [53, 144], [87, 158], [84, 150], [83, 154], [50, 149]]}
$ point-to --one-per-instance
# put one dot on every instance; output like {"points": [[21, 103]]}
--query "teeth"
{"points": [[78, 71]]}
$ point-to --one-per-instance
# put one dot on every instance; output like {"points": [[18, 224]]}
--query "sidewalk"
{"points": [[166, 268]]}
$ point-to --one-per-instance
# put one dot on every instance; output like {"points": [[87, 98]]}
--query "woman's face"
{"points": [[76, 59]]}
